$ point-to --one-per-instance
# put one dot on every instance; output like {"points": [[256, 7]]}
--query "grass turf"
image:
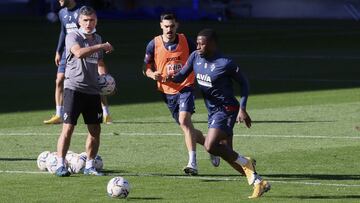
{"points": [[304, 104]]}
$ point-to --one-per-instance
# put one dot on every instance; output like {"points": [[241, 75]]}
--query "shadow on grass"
{"points": [[313, 197], [256, 121], [282, 121], [313, 176], [17, 159], [144, 198]]}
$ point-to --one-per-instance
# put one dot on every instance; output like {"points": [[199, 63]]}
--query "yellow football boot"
{"points": [[54, 120], [260, 189], [107, 119], [249, 169]]}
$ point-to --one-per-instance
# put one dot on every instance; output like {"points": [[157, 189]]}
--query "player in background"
{"points": [[214, 74], [169, 52], [84, 58], [68, 17]]}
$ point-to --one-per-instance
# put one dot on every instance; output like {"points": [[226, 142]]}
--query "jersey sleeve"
{"points": [[61, 41], [149, 53], [186, 70], [238, 76], [71, 40]]}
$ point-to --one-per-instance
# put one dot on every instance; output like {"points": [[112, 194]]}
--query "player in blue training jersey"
{"points": [[68, 17], [214, 74], [169, 52]]}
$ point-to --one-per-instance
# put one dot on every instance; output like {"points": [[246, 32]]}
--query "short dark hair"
{"points": [[168, 16], [87, 11], [210, 34]]}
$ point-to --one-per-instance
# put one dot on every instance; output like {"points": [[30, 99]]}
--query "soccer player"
{"points": [[84, 56], [69, 22], [168, 53], [214, 74]]}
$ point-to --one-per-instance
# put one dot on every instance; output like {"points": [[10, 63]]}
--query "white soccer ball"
{"points": [[118, 187], [76, 163], [99, 164], [41, 160], [107, 84], [51, 162]]}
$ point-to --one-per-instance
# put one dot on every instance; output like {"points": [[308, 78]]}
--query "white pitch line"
{"points": [[179, 134], [25, 172], [201, 178]]}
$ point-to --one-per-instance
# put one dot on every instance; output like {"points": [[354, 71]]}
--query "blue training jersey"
{"points": [[214, 76], [69, 22]]}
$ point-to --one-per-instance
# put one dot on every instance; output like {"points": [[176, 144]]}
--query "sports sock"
{"points": [[105, 110], [59, 110], [89, 163], [258, 179], [241, 160], [60, 162], [192, 159]]}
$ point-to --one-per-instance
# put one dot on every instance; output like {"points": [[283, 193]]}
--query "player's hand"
{"points": [[57, 58], [157, 76], [107, 47], [167, 78], [243, 117]]}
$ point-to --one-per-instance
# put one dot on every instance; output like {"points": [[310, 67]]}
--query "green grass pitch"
{"points": [[305, 105]]}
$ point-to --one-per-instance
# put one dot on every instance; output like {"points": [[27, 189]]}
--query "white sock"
{"points": [[59, 110], [192, 159], [89, 163], [258, 179], [60, 162], [241, 160], [105, 110]]}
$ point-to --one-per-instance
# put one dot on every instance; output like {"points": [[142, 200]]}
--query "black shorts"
{"points": [[88, 105]]}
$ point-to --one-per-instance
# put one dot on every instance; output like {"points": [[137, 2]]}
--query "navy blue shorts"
{"points": [[223, 120], [62, 64], [88, 105], [182, 101]]}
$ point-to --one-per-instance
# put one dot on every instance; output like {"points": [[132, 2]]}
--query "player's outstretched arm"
{"points": [[80, 52]]}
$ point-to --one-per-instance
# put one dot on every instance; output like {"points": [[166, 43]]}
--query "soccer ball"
{"points": [[76, 163], [51, 162], [98, 163], [107, 84], [41, 160], [118, 187]]}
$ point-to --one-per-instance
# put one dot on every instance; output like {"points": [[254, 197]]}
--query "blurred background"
{"points": [[197, 9], [281, 45]]}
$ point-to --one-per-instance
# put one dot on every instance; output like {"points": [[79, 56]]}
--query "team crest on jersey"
{"points": [[204, 80]]}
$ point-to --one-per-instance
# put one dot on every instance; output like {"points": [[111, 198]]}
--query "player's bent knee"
{"points": [[210, 148]]}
